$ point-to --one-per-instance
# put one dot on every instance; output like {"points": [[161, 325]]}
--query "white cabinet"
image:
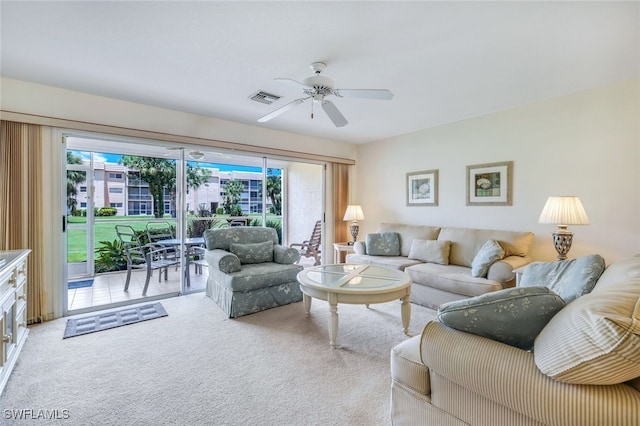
{"points": [[13, 307]]}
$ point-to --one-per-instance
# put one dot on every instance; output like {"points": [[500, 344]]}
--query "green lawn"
{"points": [[104, 230]]}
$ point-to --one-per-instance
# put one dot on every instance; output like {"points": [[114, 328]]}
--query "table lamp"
{"points": [[354, 213], [563, 211]]}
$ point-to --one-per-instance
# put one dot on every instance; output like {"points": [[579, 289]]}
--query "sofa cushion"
{"points": [[451, 278], [395, 262], [383, 244], [490, 252], [407, 367], [570, 279], [408, 233], [432, 251], [513, 316], [466, 242], [595, 339], [256, 275], [253, 252]]}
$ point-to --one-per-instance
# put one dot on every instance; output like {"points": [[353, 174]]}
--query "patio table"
{"points": [[189, 244]]}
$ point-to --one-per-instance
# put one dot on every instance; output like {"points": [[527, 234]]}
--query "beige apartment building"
{"points": [[115, 185]]}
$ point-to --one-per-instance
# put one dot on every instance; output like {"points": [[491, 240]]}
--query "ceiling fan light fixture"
{"points": [[196, 155], [317, 88]]}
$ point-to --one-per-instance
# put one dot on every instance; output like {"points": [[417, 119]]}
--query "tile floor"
{"points": [[109, 288]]}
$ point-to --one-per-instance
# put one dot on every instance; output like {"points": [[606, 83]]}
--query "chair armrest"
{"points": [[285, 255], [301, 245], [360, 247], [222, 260]]}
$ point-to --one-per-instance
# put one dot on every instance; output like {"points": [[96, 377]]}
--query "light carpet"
{"points": [[196, 367]]}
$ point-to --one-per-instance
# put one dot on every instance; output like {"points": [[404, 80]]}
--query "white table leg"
{"points": [[333, 320], [406, 313], [306, 301]]}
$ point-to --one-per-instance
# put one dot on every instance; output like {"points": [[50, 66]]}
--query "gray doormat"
{"points": [[80, 326]]}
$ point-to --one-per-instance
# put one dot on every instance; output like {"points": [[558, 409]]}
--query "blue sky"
{"points": [[114, 158]]}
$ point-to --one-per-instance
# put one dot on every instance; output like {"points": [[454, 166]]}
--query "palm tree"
{"points": [[274, 191], [160, 173], [232, 196], [74, 178]]}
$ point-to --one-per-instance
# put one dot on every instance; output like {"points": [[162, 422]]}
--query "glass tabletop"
{"points": [[354, 276]]}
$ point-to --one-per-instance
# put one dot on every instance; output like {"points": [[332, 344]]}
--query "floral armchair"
{"points": [[249, 271]]}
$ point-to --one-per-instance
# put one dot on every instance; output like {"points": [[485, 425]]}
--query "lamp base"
{"points": [[354, 228], [562, 240]]}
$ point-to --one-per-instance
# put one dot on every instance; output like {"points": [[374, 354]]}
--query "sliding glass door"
{"points": [[163, 197]]}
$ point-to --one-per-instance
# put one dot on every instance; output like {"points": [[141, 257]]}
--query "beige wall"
{"points": [[585, 144], [304, 200]]}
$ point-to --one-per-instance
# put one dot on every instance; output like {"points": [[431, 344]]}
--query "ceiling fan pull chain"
{"points": [[312, 109]]}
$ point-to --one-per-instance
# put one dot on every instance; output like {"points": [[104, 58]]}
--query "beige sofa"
{"points": [[433, 283], [589, 352]]}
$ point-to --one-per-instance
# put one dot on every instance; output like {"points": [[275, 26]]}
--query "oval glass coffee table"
{"points": [[354, 284]]}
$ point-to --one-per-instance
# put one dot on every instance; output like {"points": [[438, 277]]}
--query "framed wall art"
{"points": [[422, 188], [490, 184]]}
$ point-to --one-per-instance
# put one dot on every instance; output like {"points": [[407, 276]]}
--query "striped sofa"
{"points": [[584, 369]]}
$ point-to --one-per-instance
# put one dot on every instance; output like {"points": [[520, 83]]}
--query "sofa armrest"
{"points": [[359, 247], [502, 270], [222, 260], [285, 255], [509, 377]]}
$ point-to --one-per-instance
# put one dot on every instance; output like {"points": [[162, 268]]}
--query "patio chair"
{"points": [[158, 231], [139, 256], [311, 247]]}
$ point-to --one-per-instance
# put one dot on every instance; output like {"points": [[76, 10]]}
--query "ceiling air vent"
{"points": [[264, 97]]}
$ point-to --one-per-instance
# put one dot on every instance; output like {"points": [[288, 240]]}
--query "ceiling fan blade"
{"points": [[334, 114], [293, 83], [382, 94], [274, 114]]}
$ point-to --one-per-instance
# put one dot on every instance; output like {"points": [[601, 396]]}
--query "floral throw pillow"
{"points": [[514, 316], [490, 252], [253, 252], [569, 279], [383, 244]]}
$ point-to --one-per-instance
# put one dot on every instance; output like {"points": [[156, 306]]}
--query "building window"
{"points": [[113, 190], [83, 189], [116, 205], [83, 205], [115, 175]]}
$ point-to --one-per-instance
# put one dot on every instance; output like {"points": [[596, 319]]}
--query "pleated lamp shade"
{"points": [[565, 210]]}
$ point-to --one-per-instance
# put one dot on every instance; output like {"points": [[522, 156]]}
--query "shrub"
{"points": [[110, 257], [107, 211], [220, 210]]}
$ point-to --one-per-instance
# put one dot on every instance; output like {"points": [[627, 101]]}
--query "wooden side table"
{"points": [[339, 249]]}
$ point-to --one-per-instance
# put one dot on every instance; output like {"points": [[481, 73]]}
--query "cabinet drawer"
{"points": [[21, 324], [21, 296]]}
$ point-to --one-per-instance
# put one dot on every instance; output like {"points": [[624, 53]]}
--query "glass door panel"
{"points": [[126, 190], [79, 214]]}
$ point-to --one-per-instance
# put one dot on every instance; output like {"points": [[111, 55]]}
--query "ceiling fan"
{"points": [[317, 88]]}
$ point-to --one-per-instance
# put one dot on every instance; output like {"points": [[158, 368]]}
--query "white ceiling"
{"points": [[444, 61]]}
